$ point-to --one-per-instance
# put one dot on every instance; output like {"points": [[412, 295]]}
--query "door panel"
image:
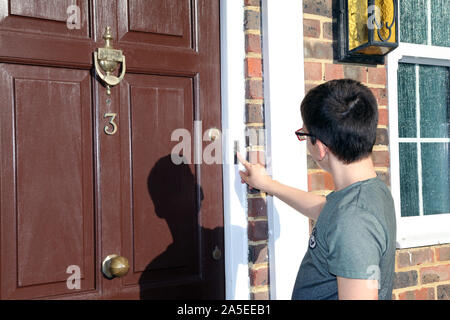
{"points": [[157, 22], [36, 32], [163, 202], [47, 202], [45, 17], [49, 9]]}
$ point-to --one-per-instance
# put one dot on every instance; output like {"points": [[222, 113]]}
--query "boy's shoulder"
{"points": [[366, 197]]}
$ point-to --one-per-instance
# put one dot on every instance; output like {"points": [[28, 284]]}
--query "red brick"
{"points": [[443, 253], [252, 20], [253, 67], [435, 274], [333, 71], [405, 279], [257, 207], [319, 7], [356, 73], [381, 96], [318, 50], [255, 3], [311, 28], [380, 158], [313, 71], [320, 181], [443, 292], [253, 43], [262, 295], [408, 258], [254, 136], [258, 253], [254, 89], [254, 113], [257, 230], [382, 137], [420, 294], [383, 117], [377, 75], [309, 86], [328, 30], [259, 277]]}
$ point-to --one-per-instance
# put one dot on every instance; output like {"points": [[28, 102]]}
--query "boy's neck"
{"points": [[345, 175]]}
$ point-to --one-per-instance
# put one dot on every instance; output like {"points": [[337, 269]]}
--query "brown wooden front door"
{"points": [[70, 194]]}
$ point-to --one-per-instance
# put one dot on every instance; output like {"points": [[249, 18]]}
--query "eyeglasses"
{"points": [[302, 135]]}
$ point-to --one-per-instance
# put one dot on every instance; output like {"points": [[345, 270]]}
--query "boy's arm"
{"points": [[306, 203], [357, 289]]}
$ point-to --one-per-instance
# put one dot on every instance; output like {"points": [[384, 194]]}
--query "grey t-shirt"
{"points": [[354, 237]]}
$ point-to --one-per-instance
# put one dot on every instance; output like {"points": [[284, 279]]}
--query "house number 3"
{"points": [[113, 129]]}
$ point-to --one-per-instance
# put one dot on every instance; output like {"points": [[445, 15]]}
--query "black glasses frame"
{"points": [[301, 135]]}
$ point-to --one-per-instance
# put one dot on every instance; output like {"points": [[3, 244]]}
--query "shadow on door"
{"points": [[177, 199]]}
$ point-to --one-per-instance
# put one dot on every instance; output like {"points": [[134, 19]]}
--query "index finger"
{"points": [[243, 161]]}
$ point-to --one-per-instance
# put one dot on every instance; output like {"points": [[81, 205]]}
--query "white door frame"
{"points": [[232, 39], [285, 156], [287, 161]]}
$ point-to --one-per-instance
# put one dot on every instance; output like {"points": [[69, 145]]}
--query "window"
{"points": [[419, 112]]}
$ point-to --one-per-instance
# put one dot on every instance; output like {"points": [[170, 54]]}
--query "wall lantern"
{"points": [[367, 30]]}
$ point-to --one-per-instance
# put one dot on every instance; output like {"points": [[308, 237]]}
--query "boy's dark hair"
{"points": [[343, 114]]}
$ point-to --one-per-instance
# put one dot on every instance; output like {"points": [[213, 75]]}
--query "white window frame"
{"points": [[420, 230]]}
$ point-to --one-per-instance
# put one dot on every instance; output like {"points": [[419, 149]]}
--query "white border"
{"points": [[232, 41], [286, 158], [420, 230]]}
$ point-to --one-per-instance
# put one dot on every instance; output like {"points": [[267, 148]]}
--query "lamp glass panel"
{"points": [[371, 50], [357, 24], [385, 14]]}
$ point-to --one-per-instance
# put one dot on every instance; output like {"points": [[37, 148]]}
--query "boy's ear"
{"points": [[323, 149]]}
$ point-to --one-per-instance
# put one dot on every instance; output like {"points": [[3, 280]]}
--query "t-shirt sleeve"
{"points": [[356, 243]]}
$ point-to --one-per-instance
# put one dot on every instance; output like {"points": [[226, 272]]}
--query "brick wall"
{"points": [[320, 67], [421, 273], [254, 120]]}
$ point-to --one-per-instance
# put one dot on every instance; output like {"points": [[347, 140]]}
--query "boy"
{"points": [[351, 250]]}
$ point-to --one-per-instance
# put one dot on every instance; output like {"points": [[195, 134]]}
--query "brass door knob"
{"points": [[216, 254], [213, 134], [115, 266]]}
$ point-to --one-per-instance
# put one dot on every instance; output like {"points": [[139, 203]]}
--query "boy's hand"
{"points": [[255, 175]]}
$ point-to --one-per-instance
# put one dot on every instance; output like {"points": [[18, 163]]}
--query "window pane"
{"points": [[406, 78], [435, 178], [413, 21], [409, 190], [434, 101], [440, 22]]}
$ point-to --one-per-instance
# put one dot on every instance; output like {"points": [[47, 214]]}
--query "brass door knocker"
{"points": [[108, 59]]}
